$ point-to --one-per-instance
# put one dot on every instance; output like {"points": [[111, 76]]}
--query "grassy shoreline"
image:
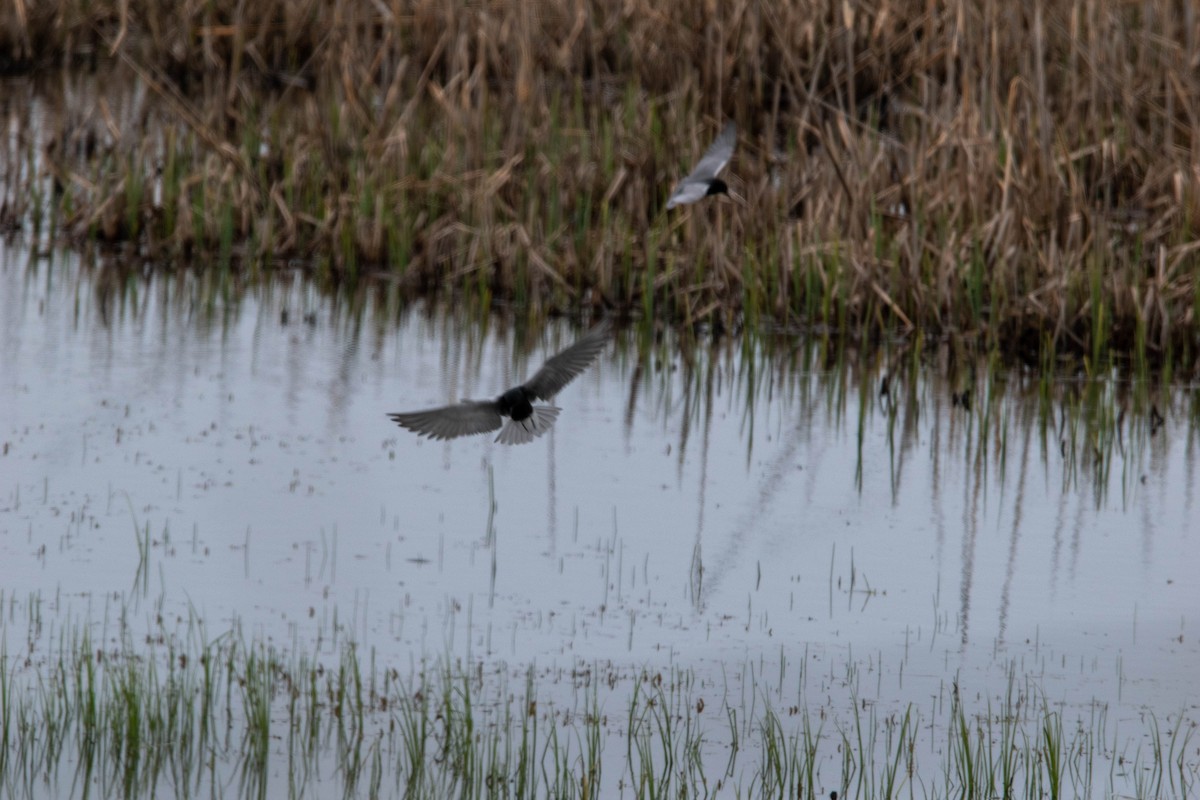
{"points": [[1023, 178]]}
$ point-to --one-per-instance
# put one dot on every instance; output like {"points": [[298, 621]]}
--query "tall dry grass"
{"points": [[1023, 174]]}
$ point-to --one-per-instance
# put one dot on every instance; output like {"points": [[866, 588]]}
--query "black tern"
{"points": [[703, 180], [526, 421]]}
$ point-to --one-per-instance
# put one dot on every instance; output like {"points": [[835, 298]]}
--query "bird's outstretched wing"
{"points": [[562, 368], [717, 155], [463, 419], [688, 193]]}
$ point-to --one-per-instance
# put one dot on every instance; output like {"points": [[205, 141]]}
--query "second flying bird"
{"points": [[703, 181]]}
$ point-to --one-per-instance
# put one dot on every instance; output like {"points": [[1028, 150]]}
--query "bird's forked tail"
{"points": [[528, 429]]}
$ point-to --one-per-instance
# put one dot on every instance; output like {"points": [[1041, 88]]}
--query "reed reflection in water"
{"points": [[707, 498]]}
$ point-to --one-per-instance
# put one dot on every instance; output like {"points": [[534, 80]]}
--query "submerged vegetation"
{"points": [[1024, 176], [186, 716]]}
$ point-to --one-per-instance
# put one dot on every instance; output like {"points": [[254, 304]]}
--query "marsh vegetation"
{"points": [[1023, 176], [885, 484], [184, 716]]}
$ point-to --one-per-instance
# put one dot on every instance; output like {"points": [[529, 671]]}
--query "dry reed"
{"points": [[1025, 175]]}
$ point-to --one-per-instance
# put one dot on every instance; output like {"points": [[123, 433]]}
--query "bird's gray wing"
{"points": [[564, 367], [717, 155], [688, 193], [448, 422]]}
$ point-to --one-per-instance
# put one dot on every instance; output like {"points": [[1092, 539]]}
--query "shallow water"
{"points": [[753, 506]]}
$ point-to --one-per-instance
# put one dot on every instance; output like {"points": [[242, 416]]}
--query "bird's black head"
{"points": [[717, 186]]}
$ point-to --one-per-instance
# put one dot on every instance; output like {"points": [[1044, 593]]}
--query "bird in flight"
{"points": [[703, 180], [525, 420]]}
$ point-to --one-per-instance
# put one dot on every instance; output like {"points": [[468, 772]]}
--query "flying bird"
{"points": [[703, 180], [526, 421]]}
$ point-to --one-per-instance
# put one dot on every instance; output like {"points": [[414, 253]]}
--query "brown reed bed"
{"points": [[1024, 176]]}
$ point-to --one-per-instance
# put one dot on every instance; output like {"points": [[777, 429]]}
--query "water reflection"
{"points": [[710, 501]]}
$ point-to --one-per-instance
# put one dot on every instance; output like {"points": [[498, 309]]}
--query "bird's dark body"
{"points": [[515, 403], [717, 186]]}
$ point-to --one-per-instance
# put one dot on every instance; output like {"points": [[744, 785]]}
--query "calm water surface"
{"points": [[747, 506]]}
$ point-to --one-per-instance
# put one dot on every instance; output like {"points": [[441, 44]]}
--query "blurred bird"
{"points": [[703, 180], [526, 421]]}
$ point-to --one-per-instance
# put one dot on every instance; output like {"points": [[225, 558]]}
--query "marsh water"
{"points": [[748, 509]]}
